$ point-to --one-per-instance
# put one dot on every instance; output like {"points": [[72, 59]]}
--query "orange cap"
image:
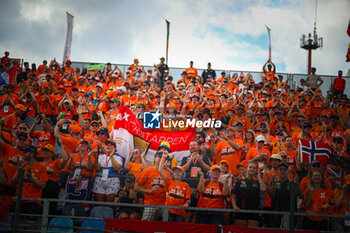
{"points": [[224, 161], [244, 163], [179, 167], [347, 179], [20, 107], [50, 148], [215, 167]]}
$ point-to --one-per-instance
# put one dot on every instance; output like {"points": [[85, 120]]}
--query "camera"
{"points": [[159, 154]]}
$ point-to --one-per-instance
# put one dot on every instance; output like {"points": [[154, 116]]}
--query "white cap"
{"points": [[99, 85], [121, 88], [260, 138]]}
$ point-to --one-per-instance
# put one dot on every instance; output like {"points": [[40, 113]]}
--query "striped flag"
{"points": [[269, 34], [311, 150], [129, 133], [67, 46], [8, 76]]}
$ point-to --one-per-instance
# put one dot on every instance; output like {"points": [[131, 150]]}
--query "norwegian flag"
{"points": [[311, 150], [339, 175]]}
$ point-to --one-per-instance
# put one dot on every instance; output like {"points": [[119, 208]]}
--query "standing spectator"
{"points": [[178, 192], [316, 201], [313, 79], [152, 185], [339, 84], [5, 59], [246, 195], [107, 182], [211, 195], [53, 167], [191, 71], [138, 163], [193, 164], [35, 179], [279, 192], [341, 204], [81, 165], [161, 68], [8, 101], [208, 74], [270, 71]]}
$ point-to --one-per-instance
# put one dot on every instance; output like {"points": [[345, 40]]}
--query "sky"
{"points": [[228, 33]]}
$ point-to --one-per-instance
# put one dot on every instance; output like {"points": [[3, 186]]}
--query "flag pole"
{"points": [[167, 40]]}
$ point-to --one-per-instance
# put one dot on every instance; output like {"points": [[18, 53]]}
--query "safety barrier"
{"points": [[44, 221]]}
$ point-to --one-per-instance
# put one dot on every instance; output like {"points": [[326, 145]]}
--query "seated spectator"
{"points": [[127, 194]]}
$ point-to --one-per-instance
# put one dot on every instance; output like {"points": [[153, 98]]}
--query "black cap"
{"points": [[283, 164], [129, 177], [30, 148], [279, 112], [307, 124], [334, 117], [111, 142], [184, 72], [21, 134], [315, 162], [103, 131]]}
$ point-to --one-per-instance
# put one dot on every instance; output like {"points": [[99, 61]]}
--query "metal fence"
{"points": [[293, 78], [43, 224]]}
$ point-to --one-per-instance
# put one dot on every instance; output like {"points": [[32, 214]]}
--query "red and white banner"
{"points": [[67, 46], [8, 76], [128, 133], [311, 150], [133, 225]]}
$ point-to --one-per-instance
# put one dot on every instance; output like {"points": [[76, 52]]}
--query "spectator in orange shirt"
{"points": [[211, 195], [258, 154], [35, 179], [152, 185], [178, 192], [270, 71], [317, 198], [5, 59], [191, 71], [68, 67], [341, 206], [8, 101], [42, 66], [53, 168]]}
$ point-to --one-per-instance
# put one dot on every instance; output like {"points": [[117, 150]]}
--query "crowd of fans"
{"points": [[56, 121]]}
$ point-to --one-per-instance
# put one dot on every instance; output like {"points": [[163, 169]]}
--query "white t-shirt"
{"points": [[105, 161]]}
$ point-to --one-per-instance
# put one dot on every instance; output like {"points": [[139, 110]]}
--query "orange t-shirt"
{"points": [[148, 178], [177, 195], [11, 156], [191, 72], [82, 162], [4, 111], [344, 207], [212, 197], [53, 169], [318, 199], [30, 189], [225, 151], [43, 138], [135, 169], [254, 152]]}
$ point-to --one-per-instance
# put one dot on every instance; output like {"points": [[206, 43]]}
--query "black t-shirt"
{"points": [[162, 68], [247, 192], [193, 181], [208, 74], [281, 200]]}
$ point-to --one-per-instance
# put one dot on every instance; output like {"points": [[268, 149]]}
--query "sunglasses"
{"points": [[21, 139], [94, 125], [198, 137], [22, 128], [261, 142]]}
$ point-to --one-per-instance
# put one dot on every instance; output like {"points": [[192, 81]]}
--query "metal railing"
{"points": [[293, 78], [44, 225]]}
